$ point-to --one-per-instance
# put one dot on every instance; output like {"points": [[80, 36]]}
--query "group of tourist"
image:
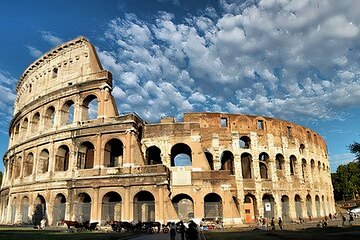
{"points": [[191, 232], [263, 223]]}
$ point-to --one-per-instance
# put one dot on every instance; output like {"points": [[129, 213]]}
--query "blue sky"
{"points": [[294, 60]]}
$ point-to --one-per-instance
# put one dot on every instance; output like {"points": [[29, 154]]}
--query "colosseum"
{"points": [[72, 156]]}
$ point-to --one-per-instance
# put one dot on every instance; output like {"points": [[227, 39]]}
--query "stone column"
{"points": [[127, 151], [95, 209], [52, 158], [160, 208], [126, 206], [99, 157], [22, 166], [198, 205]]}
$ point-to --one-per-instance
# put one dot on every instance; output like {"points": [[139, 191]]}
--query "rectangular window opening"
{"points": [[289, 132], [260, 124], [55, 73], [224, 122]]}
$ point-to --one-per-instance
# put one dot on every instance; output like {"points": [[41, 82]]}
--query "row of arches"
{"points": [[181, 156], [144, 208], [291, 209], [113, 155], [52, 117]]}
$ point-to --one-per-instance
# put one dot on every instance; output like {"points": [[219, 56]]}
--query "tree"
{"points": [[355, 149], [346, 181]]}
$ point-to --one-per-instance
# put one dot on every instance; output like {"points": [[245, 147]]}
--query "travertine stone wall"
{"points": [[72, 156]]}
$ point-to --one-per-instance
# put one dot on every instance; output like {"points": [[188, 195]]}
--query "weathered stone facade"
{"points": [[72, 156]]}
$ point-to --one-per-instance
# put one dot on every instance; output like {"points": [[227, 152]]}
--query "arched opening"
{"points": [[153, 155], [43, 164], [24, 126], [210, 159], [11, 167], [86, 156], [113, 153], [298, 207], [317, 205], [62, 158], [28, 165], [245, 142], [269, 206], [111, 208], [35, 123], [263, 162], [144, 207], [303, 168], [285, 208], [17, 167], [13, 210], [246, 161], [312, 163], [59, 209], [227, 162], [181, 155], [301, 148], [25, 207], [184, 206], [90, 108], [309, 206], [67, 113], [39, 210], [292, 164], [82, 208], [49, 120], [263, 170], [280, 162], [17, 130], [213, 209], [249, 208]]}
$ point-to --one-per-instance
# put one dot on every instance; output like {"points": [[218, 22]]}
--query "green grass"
{"points": [[19, 233]]}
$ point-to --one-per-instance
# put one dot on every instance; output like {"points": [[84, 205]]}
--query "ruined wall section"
{"points": [[69, 76], [68, 64], [308, 174]]}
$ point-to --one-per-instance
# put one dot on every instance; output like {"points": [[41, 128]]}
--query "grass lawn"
{"points": [[330, 233], [19, 233]]}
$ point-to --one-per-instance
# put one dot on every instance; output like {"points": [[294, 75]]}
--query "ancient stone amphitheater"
{"points": [[72, 156]]}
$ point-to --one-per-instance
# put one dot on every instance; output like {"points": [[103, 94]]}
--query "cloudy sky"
{"points": [[294, 60]]}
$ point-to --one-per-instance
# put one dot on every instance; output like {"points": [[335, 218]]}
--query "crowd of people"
{"points": [[191, 232], [263, 223]]}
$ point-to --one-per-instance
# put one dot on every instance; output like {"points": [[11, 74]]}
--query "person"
{"points": [[172, 231], [272, 224], [280, 223], [351, 219], [192, 232], [182, 230], [42, 224], [343, 220]]}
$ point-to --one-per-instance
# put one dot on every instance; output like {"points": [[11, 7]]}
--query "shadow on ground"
{"points": [[329, 233]]}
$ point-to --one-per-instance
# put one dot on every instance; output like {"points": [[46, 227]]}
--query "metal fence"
{"points": [[59, 212], [213, 210], [111, 211], [82, 211], [144, 211]]}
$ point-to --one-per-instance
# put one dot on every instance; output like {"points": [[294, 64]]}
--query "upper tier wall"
{"points": [[261, 125], [67, 64]]}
